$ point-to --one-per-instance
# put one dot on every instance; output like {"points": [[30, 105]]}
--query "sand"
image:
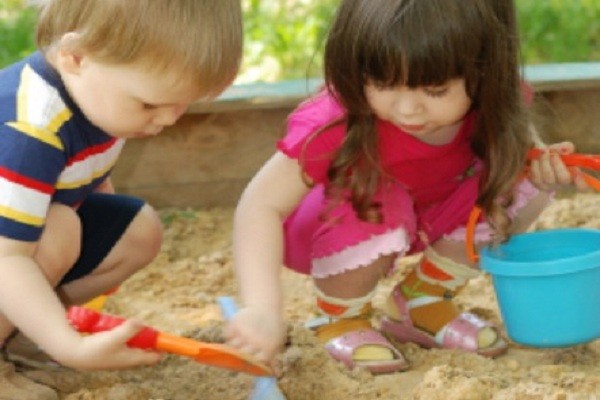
{"points": [[177, 294]]}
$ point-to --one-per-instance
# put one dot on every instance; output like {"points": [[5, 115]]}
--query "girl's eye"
{"points": [[384, 86], [380, 85], [148, 106], [436, 91]]}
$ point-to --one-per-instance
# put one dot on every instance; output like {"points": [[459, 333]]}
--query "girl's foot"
{"points": [[354, 342], [465, 331], [420, 310]]}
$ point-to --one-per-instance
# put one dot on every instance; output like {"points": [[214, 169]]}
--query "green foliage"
{"points": [[16, 31], [284, 38], [559, 30]]}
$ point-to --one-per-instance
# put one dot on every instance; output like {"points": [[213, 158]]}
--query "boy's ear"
{"points": [[69, 56]]}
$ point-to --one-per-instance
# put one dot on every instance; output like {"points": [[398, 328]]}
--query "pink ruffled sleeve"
{"points": [[313, 152]]}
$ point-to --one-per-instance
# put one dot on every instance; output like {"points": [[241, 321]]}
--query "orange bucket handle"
{"points": [[590, 161], [470, 240]]}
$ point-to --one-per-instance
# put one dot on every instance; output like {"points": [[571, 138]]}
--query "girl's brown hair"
{"points": [[422, 43], [199, 39]]}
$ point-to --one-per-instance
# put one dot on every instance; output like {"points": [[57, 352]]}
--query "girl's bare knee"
{"points": [[356, 282]]}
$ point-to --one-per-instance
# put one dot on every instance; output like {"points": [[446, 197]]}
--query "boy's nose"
{"points": [[169, 115]]}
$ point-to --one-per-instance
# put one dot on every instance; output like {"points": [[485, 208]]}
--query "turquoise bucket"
{"points": [[548, 286]]}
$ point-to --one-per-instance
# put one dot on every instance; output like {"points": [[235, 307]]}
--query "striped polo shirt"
{"points": [[49, 151]]}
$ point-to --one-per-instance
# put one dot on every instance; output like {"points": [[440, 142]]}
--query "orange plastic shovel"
{"points": [[219, 355]]}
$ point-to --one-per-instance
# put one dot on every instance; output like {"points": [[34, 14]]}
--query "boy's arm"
{"points": [[28, 300], [30, 303]]}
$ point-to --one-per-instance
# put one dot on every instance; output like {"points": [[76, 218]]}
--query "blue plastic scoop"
{"points": [[265, 388]]}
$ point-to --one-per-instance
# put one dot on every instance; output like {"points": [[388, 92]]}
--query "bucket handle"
{"points": [[589, 161], [470, 240]]}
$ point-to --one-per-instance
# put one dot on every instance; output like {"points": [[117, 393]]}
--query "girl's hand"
{"points": [[257, 333], [549, 173], [107, 350]]}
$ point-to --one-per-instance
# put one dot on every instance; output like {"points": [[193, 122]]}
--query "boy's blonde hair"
{"points": [[199, 39]]}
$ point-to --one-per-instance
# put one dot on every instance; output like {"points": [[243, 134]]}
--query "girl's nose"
{"points": [[407, 102]]}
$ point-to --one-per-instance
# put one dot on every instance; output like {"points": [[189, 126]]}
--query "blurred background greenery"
{"points": [[283, 38]]}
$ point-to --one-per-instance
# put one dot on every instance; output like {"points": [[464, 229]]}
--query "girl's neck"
{"points": [[443, 135]]}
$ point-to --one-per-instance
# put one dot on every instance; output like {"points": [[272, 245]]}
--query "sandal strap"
{"points": [[423, 301], [341, 327], [462, 332], [342, 348], [328, 327]]}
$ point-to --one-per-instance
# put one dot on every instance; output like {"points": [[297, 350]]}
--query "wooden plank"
{"points": [[205, 159], [209, 156], [572, 115]]}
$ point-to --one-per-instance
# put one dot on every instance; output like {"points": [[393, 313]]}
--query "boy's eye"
{"points": [[435, 91], [148, 106]]}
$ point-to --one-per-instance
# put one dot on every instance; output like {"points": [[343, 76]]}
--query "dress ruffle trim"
{"points": [[362, 254]]}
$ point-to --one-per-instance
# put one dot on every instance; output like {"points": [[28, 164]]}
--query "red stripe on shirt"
{"points": [[26, 181], [91, 151]]}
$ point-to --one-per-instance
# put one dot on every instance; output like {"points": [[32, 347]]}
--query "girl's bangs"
{"points": [[418, 52]]}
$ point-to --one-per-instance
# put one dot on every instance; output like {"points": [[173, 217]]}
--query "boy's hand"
{"points": [[549, 173], [256, 332], [108, 350]]}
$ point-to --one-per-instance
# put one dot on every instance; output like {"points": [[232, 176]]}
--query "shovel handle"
{"points": [[85, 320]]}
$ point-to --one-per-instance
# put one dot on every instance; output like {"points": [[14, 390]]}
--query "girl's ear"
{"points": [[68, 55]]}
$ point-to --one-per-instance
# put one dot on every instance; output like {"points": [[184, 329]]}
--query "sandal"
{"points": [[460, 333], [356, 344]]}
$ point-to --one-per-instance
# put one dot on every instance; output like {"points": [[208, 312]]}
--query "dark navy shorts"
{"points": [[104, 219]]}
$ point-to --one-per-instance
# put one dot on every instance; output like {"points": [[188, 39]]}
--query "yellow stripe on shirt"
{"points": [[77, 184], [58, 120], [18, 216], [38, 133], [41, 123]]}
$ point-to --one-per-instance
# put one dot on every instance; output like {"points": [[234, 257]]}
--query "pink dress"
{"points": [[433, 190]]}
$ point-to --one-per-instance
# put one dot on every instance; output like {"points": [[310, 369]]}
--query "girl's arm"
{"points": [[258, 246]]}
